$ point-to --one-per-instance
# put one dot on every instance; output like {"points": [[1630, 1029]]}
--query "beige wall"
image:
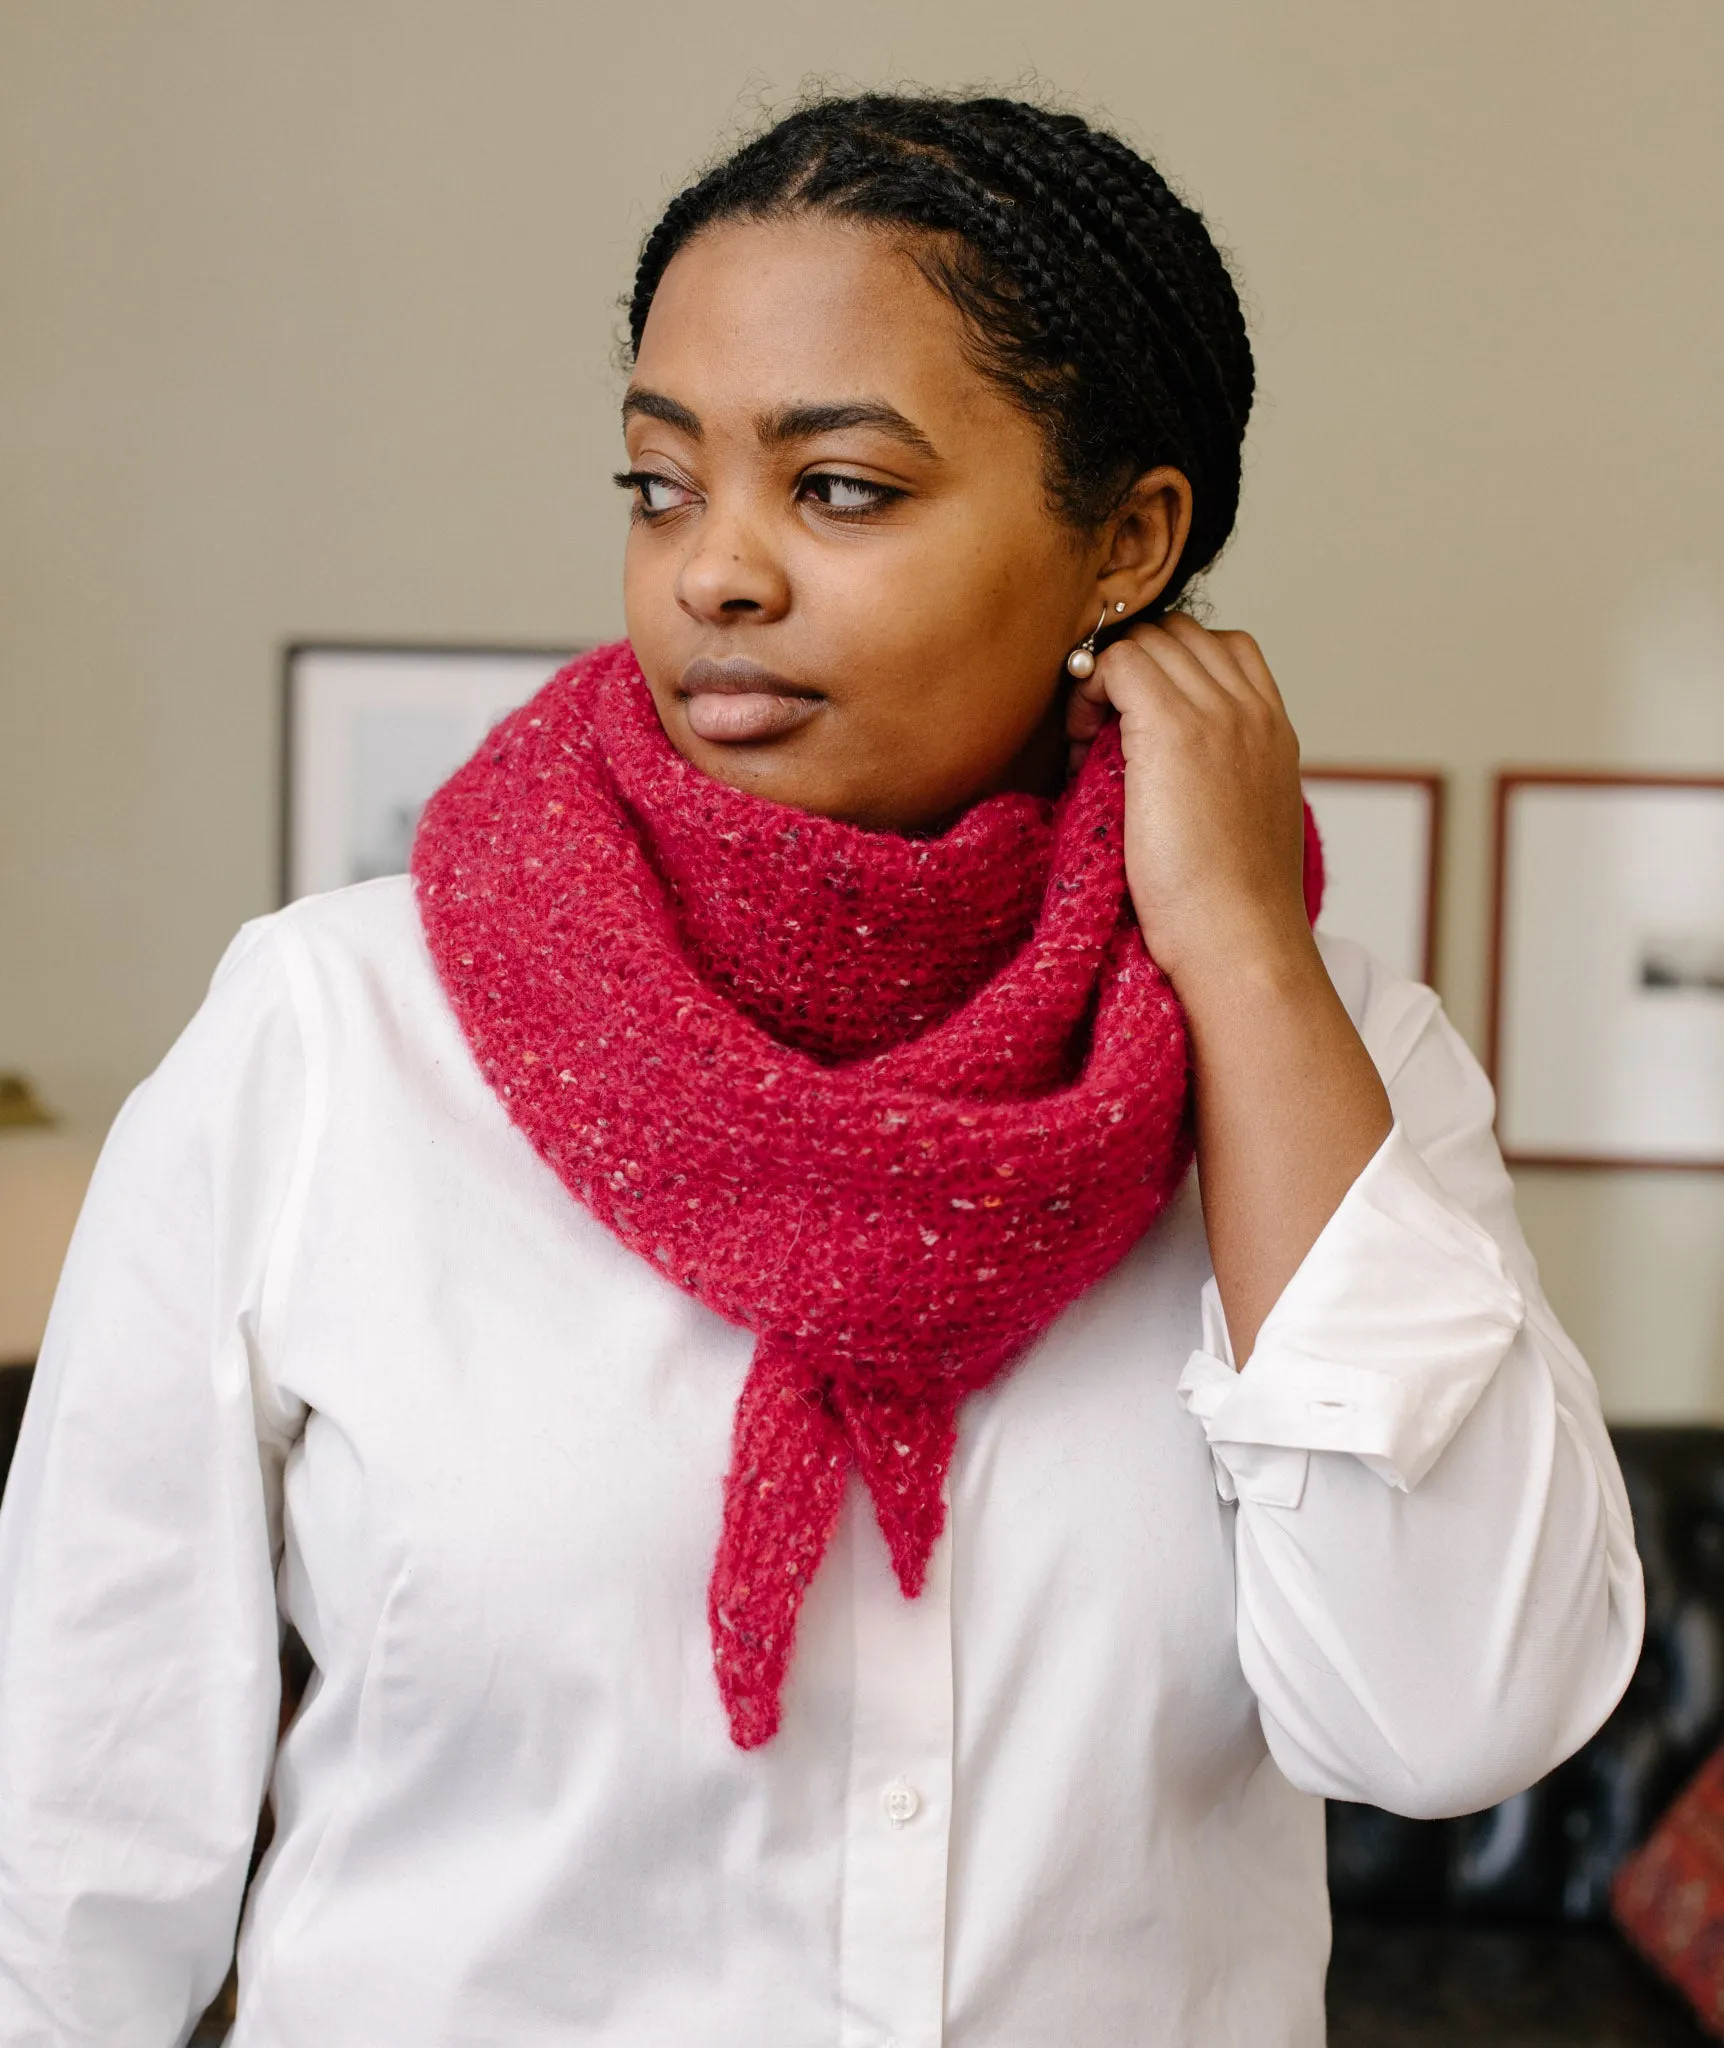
{"points": [[309, 315]]}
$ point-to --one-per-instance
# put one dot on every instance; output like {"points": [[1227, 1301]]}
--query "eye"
{"points": [[847, 494], [655, 493]]}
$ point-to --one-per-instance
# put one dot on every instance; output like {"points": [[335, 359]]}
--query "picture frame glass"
{"points": [[1610, 997], [1380, 848], [371, 732]]}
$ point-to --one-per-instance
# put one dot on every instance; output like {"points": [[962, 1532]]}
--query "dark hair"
{"points": [[1093, 295]]}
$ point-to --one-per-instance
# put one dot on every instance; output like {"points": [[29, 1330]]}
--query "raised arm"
{"points": [[1438, 1592], [1289, 1104]]}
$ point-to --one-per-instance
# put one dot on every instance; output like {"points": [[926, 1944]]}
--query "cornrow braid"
{"points": [[1130, 310], [1142, 215], [1092, 294]]}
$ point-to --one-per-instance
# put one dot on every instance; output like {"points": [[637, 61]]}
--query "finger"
{"points": [[1213, 653], [1089, 701], [1088, 709], [1253, 667], [1084, 721], [1232, 657], [1150, 655]]}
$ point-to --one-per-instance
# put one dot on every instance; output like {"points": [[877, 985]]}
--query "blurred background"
{"points": [[310, 325]]}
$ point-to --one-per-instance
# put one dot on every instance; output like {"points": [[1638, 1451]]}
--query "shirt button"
{"points": [[902, 1802]]}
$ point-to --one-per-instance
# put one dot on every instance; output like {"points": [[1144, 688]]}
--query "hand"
{"points": [[1214, 829], [1289, 1105]]}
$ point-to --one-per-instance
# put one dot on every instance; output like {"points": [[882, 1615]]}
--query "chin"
{"points": [[799, 770], [780, 770]]}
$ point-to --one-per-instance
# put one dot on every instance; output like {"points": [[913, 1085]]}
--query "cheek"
{"points": [[662, 635], [972, 645], [648, 584]]}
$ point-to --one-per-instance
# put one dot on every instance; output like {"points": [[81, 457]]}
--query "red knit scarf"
{"points": [[892, 1103]]}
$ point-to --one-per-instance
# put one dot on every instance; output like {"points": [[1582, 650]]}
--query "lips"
{"points": [[735, 702]]}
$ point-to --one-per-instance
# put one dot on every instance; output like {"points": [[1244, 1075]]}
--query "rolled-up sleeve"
{"points": [[1438, 1593], [138, 1629]]}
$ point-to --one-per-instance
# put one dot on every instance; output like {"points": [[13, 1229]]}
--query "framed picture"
{"points": [[368, 733], [1607, 983], [1382, 832]]}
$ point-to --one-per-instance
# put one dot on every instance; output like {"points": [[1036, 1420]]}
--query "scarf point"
{"points": [[753, 1718], [912, 1573]]}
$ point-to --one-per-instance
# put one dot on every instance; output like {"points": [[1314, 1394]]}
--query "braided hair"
{"points": [[1091, 294]]}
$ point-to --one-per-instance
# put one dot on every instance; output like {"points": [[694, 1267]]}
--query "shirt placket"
{"points": [[892, 1936]]}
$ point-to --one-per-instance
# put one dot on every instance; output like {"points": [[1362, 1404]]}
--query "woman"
{"points": [[809, 1525]]}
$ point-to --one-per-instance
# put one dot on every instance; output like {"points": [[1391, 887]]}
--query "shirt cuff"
{"points": [[1379, 1345]]}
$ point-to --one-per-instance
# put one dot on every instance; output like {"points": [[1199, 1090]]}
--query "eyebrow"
{"points": [[654, 405], [803, 422], [790, 423]]}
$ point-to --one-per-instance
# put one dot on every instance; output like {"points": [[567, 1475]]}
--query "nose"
{"points": [[730, 572]]}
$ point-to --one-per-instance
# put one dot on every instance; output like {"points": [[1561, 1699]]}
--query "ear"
{"points": [[1145, 539]]}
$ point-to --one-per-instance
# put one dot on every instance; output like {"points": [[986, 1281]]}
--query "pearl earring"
{"points": [[1081, 660]]}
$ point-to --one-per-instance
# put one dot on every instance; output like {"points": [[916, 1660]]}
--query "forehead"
{"points": [[750, 316]]}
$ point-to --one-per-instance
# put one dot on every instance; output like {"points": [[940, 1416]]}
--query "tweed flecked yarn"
{"points": [[890, 1102]]}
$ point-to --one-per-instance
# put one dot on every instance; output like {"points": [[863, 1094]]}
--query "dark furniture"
{"points": [[14, 1389], [1496, 1984], [1492, 1931]]}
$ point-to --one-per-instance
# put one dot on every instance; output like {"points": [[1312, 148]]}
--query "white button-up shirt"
{"points": [[334, 1344]]}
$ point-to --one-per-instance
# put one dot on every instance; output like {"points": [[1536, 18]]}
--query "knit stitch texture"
{"points": [[891, 1102]]}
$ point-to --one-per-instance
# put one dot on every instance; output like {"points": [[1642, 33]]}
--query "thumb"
{"points": [[1088, 708]]}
